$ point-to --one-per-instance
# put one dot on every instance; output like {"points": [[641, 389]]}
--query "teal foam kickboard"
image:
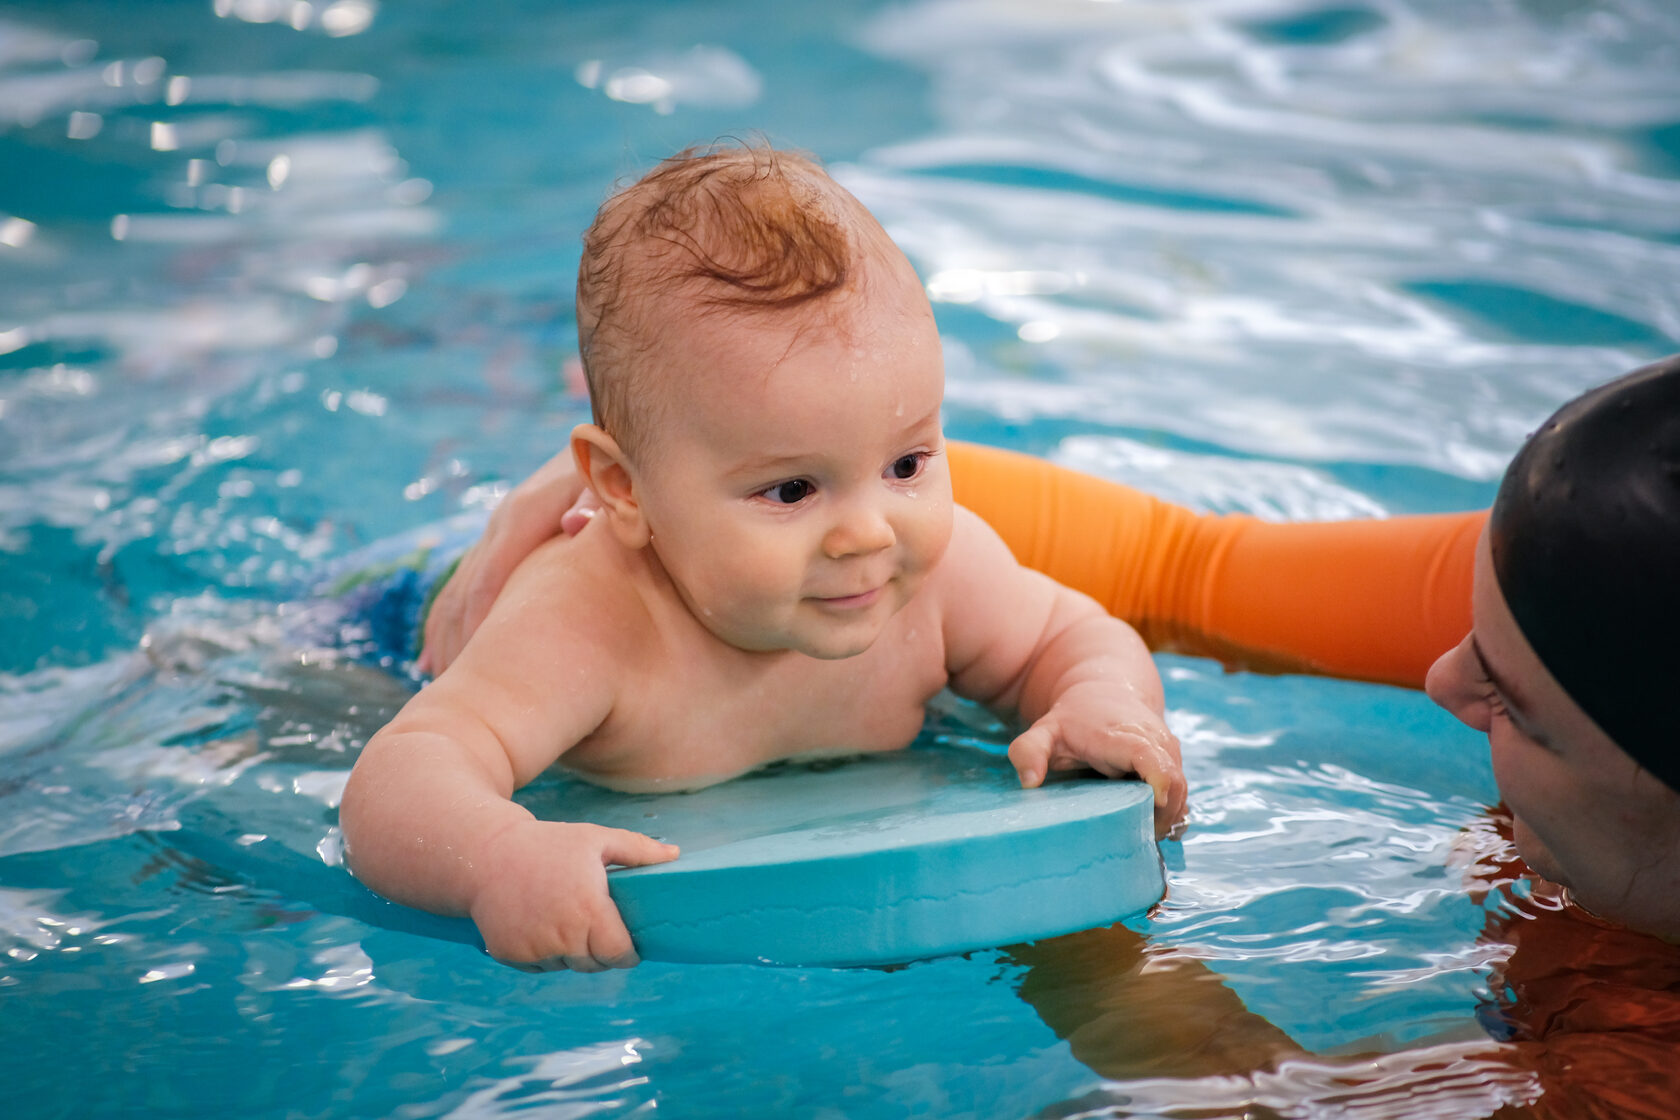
{"points": [[875, 859]]}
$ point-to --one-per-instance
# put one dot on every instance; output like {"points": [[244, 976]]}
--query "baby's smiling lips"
{"points": [[850, 602]]}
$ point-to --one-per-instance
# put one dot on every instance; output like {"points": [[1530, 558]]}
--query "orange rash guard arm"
{"points": [[1375, 599]]}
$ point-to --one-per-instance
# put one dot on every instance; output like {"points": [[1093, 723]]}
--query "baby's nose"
{"points": [[860, 529]]}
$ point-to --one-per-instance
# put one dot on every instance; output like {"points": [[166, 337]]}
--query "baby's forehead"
{"points": [[676, 327], [665, 297], [736, 216], [720, 248]]}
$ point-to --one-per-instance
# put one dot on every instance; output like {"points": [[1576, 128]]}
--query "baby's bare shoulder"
{"points": [[975, 561], [992, 609], [578, 592]]}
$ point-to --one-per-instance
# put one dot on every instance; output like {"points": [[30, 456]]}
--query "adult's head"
{"points": [[1574, 656]]}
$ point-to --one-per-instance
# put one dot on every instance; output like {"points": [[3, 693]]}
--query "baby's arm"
{"points": [[427, 814], [1082, 681]]}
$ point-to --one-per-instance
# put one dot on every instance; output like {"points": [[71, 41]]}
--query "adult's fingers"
{"points": [[582, 511], [464, 602], [531, 513], [443, 620]]}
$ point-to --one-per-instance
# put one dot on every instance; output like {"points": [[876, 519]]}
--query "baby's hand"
{"points": [[1110, 729], [543, 905]]}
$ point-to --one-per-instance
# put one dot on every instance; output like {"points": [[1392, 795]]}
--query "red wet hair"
{"points": [[746, 229]]}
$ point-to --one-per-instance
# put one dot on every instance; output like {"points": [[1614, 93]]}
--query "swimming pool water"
{"points": [[282, 277]]}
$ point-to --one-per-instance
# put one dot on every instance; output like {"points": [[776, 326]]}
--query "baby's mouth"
{"points": [[853, 601]]}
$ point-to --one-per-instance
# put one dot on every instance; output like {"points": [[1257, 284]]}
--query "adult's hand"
{"points": [[550, 502]]}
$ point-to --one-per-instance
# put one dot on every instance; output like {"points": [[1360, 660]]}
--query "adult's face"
{"points": [[1586, 815]]}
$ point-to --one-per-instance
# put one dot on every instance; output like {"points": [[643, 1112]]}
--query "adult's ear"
{"points": [[607, 471]]}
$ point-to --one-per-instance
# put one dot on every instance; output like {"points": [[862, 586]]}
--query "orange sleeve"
{"points": [[1376, 599]]}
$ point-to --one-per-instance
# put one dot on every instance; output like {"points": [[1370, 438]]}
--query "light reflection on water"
{"points": [[279, 278], [1266, 239]]}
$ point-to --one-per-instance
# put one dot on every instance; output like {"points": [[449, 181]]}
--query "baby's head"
{"points": [[767, 384], [739, 235]]}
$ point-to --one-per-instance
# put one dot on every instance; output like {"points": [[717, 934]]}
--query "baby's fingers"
{"points": [[1151, 752], [622, 848], [608, 941], [1155, 757], [1030, 754], [1172, 794], [605, 945]]}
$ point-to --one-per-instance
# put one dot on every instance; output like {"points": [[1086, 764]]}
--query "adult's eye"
{"points": [[791, 492], [907, 467]]}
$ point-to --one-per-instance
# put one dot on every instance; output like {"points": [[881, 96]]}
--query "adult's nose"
{"points": [[1457, 683]]}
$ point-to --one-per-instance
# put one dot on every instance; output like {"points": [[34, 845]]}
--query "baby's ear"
{"points": [[606, 470]]}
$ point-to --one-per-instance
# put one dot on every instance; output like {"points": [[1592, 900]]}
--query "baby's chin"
{"points": [[819, 647], [837, 649]]}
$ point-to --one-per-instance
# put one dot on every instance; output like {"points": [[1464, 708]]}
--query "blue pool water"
{"points": [[282, 277]]}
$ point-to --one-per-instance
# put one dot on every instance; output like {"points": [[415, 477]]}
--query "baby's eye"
{"points": [[908, 466], [791, 492]]}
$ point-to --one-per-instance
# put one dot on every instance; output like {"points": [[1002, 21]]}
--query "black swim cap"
{"points": [[1585, 536]]}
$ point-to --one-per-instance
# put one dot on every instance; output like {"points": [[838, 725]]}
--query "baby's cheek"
{"points": [[928, 548]]}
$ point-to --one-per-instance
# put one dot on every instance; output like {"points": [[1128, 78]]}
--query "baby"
{"points": [[776, 570]]}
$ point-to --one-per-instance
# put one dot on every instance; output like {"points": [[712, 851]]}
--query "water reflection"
{"points": [[335, 18], [1382, 154], [1582, 1016], [702, 75]]}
